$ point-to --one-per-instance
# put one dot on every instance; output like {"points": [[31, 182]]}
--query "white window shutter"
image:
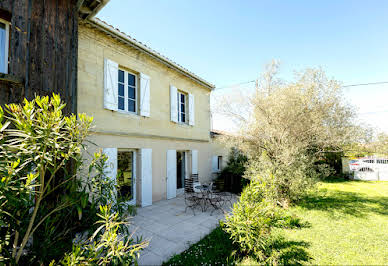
{"points": [[174, 104], [171, 174], [110, 169], [194, 161], [191, 110], [110, 84], [215, 164], [144, 95], [146, 177]]}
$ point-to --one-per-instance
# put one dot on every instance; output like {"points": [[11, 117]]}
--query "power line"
{"points": [[365, 84], [345, 86], [234, 85]]}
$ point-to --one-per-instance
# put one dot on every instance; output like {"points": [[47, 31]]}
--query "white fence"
{"points": [[370, 169]]}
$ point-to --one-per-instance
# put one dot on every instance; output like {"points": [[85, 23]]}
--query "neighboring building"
{"points": [[369, 168], [151, 116], [220, 151], [38, 48]]}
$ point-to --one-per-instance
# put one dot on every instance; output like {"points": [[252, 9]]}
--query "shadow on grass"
{"points": [[345, 203], [286, 252], [336, 179]]}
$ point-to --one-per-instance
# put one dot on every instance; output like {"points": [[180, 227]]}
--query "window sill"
{"points": [[10, 79], [128, 113], [183, 124]]}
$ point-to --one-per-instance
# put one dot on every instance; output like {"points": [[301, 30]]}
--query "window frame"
{"points": [[126, 96], [219, 163], [6, 48], [179, 93]]}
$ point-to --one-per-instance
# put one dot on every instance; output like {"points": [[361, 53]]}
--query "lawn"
{"points": [[345, 222]]}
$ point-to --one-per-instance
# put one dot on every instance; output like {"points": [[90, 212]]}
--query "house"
{"points": [[38, 48], [151, 115]]}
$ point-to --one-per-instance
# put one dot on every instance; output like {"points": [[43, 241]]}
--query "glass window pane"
{"points": [[183, 110], [2, 47], [121, 103], [131, 79], [183, 117], [125, 176], [131, 106], [131, 93], [182, 98], [121, 89], [121, 76]]}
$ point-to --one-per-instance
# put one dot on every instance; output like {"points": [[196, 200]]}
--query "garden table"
{"points": [[208, 197]]}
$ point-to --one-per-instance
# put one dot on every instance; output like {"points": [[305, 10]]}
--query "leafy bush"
{"points": [[232, 176], [105, 246], [252, 219], [286, 183], [44, 202]]}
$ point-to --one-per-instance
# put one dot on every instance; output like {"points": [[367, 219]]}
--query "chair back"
{"points": [[189, 185], [195, 178]]}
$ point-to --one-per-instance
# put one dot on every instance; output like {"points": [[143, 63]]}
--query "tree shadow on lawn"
{"points": [[285, 252], [345, 203]]}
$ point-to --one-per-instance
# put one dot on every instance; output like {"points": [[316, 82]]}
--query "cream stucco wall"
{"points": [[159, 158], [219, 148], [129, 131], [94, 46]]}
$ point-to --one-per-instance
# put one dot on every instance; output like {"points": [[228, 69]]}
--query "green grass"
{"points": [[348, 223], [214, 249], [345, 222]]}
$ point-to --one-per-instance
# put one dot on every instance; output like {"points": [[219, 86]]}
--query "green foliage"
{"points": [[105, 246], [41, 191], [232, 176], [286, 183], [286, 127], [252, 220]]}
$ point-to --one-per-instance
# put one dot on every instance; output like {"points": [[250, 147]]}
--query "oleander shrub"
{"points": [[106, 246], [48, 193], [251, 222]]}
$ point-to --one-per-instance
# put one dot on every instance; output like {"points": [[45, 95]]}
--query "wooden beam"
{"points": [[11, 79]]}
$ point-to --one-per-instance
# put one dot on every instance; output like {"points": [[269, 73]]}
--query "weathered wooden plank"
{"points": [[44, 47]]}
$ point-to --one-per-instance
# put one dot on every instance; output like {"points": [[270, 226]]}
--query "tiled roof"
{"points": [[115, 32]]}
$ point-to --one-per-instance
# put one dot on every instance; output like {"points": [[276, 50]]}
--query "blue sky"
{"points": [[228, 42]]}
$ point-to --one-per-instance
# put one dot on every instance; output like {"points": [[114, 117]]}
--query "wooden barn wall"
{"points": [[43, 50]]}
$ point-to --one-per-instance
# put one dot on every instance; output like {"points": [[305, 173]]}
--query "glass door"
{"points": [[126, 176], [181, 169]]}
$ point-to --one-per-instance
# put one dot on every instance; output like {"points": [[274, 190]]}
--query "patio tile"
{"points": [[150, 258], [162, 246], [156, 228], [210, 223], [170, 229]]}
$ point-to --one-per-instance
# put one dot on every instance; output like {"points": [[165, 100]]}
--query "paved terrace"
{"points": [[170, 230]]}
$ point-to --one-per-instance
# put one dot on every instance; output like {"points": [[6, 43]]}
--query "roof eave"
{"points": [[135, 44], [88, 10]]}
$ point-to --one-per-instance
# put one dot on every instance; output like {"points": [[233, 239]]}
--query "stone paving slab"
{"points": [[170, 230]]}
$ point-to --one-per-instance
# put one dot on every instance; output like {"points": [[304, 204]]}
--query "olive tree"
{"points": [[288, 128]]}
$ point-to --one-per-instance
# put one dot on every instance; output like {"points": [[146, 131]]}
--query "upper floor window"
{"points": [[4, 44], [181, 106], [127, 91], [182, 100]]}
